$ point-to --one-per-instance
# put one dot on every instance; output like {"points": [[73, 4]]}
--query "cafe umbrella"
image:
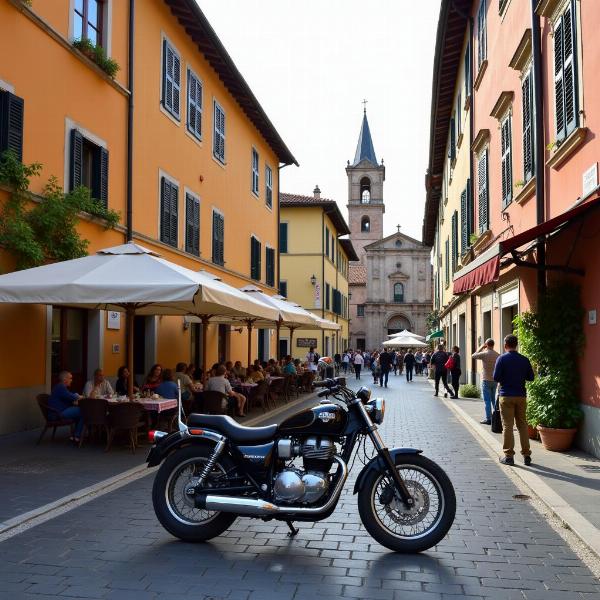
{"points": [[131, 279]]}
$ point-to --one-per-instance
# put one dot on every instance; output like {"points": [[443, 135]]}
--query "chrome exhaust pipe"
{"points": [[262, 508]]}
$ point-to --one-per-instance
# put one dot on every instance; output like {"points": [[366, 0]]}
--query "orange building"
{"points": [[176, 143]]}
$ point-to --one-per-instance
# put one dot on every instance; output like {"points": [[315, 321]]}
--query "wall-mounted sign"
{"points": [[306, 342], [116, 348], [590, 180], [592, 319], [113, 320], [317, 295]]}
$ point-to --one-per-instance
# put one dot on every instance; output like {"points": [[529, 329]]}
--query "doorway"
{"points": [[486, 329], [283, 348], [360, 344], [462, 344], [508, 314], [222, 348], [69, 344]]}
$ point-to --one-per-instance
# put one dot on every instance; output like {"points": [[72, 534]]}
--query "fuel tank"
{"points": [[324, 419]]}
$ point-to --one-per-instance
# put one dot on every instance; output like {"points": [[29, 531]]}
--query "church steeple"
{"points": [[364, 148]]}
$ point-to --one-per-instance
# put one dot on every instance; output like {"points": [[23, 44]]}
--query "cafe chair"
{"points": [[124, 416], [259, 395], [52, 417], [214, 403], [94, 412]]}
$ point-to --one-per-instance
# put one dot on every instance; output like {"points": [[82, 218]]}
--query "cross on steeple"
{"points": [[364, 102], [398, 226]]}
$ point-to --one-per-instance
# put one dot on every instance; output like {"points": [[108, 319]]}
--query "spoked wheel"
{"points": [[175, 510], [413, 529]]}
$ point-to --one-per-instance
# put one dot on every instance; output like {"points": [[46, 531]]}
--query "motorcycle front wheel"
{"points": [[391, 523], [175, 510]]}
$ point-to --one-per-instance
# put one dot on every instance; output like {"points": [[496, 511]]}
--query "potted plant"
{"points": [[553, 339]]}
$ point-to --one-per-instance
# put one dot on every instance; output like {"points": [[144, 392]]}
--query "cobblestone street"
{"points": [[499, 547]]}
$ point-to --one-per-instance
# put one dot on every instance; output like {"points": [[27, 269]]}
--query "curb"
{"points": [[560, 508]]}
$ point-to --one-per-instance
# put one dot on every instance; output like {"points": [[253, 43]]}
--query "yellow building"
{"points": [[176, 142], [314, 269]]}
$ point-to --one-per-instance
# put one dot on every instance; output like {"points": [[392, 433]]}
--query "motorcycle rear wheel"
{"points": [[408, 531], [174, 510]]}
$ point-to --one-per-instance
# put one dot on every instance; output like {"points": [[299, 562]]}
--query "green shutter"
{"points": [[218, 247], [11, 123], [452, 152], [464, 220], [506, 143], [283, 238], [528, 146], [569, 68], [76, 167], [482, 192]]}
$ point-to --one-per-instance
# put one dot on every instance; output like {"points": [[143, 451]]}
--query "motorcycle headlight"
{"points": [[376, 410]]}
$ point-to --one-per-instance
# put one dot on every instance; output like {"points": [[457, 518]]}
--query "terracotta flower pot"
{"points": [[556, 440], [533, 432]]}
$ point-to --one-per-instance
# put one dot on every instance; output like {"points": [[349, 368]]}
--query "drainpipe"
{"points": [[323, 286], [130, 58], [538, 103], [278, 280]]}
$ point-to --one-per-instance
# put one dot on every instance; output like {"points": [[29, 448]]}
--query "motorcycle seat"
{"points": [[234, 431]]}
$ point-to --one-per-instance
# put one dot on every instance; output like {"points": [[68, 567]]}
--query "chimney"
{"points": [[317, 192]]}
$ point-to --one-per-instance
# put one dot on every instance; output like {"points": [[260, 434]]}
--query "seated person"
{"points": [[218, 383], [273, 368], [187, 385], [153, 379], [238, 370], [167, 388], [298, 365], [123, 380], [97, 387], [289, 368], [63, 404], [254, 375], [257, 365], [199, 378]]}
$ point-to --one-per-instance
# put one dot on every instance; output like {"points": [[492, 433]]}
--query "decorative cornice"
{"points": [[526, 192], [502, 104], [480, 74], [481, 139], [522, 53], [548, 8], [568, 146]]}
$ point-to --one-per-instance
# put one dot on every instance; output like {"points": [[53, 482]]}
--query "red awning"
{"points": [[486, 267]]}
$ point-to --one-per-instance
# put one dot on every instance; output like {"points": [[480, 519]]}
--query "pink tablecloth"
{"points": [[158, 405]]}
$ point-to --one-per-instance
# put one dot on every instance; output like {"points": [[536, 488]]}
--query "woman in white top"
{"points": [[311, 360], [345, 362], [359, 361]]}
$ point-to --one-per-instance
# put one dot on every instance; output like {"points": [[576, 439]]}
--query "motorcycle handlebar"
{"points": [[327, 392], [325, 383]]}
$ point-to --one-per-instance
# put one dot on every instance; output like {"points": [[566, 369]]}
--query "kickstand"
{"points": [[293, 530]]}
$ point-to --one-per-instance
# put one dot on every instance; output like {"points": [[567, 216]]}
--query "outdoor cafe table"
{"points": [[151, 404]]}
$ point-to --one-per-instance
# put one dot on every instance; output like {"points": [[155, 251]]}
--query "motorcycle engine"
{"points": [[309, 484]]}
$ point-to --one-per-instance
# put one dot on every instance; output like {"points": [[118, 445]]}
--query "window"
{"points": [[219, 132], [194, 105], [481, 33], [452, 149], [466, 218], [268, 186], [565, 73], [360, 310], [270, 260], [365, 224], [255, 162], [506, 153], [528, 141], [502, 5], [327, 297], [398, 292], [283, 288], [458, 115], [11, 123], [218, 239], [468, 71], [447, 261], [171, 80], [365, 190], [255, 251], [482, 192], [89, 167], [87, 21], [326, 242], [337, 302], [283, 238], [454, 233], [192, 224], [169, 196]]}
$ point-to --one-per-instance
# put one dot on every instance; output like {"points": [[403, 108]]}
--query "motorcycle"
{"points": [[214, 470]]}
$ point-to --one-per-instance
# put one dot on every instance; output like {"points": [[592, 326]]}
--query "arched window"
{"points": [[365, 190], [365, 224], [398, 292]]}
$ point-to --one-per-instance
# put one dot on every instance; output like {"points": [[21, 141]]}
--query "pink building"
{"points": [[516, 94]]}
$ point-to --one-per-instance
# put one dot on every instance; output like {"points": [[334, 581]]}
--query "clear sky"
{"points": [[311, 63]]}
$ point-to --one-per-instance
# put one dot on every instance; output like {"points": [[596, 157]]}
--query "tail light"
{"points": [[155, 436]]}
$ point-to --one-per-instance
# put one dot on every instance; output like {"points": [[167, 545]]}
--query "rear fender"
{"points": [[377, 464], [177, 439]]}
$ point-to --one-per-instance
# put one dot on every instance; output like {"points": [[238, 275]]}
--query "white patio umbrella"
{"points": [[405, 332], [131, 279], [404, 342]]}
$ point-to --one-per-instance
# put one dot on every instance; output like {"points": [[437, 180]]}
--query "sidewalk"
{"points": [[567, 482]]}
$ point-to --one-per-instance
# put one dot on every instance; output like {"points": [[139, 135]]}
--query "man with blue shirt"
{"points": [[63, 403], [512, 370]]}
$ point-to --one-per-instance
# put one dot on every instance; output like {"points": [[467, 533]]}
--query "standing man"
{"points": [[438, 360], [385, 362], [511, 372], [359, 361], [312, 358], [488, 357], [409, 361]]}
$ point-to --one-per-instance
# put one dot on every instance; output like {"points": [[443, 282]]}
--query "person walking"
{"points": [[409, 363], [418, 362], [385, 362], [488, 357], [455, 370], [425, 363], [512, 370], [395, 361], [345, 361], [375, 367], [438, 360], [359, 361]]}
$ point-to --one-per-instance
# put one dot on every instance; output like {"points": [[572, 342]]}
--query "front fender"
{"points": [[177, 439], [377, 464]]}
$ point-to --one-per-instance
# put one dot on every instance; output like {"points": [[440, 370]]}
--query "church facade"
{"points": [[391, 283]]}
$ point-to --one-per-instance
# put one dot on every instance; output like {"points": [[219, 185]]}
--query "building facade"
{"points": [[176, 143], [314, 270], [390, 284], [514, 209]]}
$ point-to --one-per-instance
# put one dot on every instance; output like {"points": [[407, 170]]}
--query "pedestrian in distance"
{"points": [[345, 361], [488, 357], [418, 362], [359, 361], [454, 368], [409, 363], [375, 367], [512, 370], [425, 363], [385, 362], [395, 361], [439, 360]]}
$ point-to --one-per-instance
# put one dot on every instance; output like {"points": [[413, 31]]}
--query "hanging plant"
{"points": [[96, 53]]}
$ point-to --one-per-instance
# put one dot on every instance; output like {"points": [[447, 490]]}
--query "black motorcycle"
{"points": [[215, 470]]}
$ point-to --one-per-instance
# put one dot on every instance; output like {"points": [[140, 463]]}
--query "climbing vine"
{"points": [[45, 231]]}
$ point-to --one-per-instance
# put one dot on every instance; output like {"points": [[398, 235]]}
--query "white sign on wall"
{"points": [[590, 180], [113, 320], [317, 295]]}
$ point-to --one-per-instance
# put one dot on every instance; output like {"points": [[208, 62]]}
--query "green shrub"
{"points": [[469, 390]]}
